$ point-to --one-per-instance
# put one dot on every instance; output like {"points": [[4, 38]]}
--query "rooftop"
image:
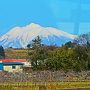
{"points": [[12, 60], [13, 63]]}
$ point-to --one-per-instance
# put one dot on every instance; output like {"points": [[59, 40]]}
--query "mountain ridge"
{"points": [[19, 37]]}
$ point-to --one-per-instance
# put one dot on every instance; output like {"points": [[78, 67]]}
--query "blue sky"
{"points": [[72, 16]]}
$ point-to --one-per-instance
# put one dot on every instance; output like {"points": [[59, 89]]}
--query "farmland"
{"points": [[45, 80], [85, 85]]}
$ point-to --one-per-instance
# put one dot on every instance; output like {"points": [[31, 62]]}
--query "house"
{"points": [[13, 65]]}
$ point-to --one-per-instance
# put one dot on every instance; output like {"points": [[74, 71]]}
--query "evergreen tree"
{"points": [[38, 54], [2, 53]]}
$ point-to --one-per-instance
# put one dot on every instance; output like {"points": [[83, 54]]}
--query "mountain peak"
{"points": [[33, 25]]}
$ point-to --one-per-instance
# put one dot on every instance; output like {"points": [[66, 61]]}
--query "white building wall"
{"points": [[10, 69]]}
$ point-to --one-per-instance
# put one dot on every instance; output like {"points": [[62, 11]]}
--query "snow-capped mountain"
{"points": [[19, 37]]}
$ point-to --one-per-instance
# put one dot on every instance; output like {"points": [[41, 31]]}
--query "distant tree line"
{"points": [[70, 56]]}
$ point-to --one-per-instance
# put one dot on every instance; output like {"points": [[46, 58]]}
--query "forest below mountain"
{"points": [[71, 56]]}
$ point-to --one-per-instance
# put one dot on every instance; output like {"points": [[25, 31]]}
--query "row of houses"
{"points": [[13, 65]]}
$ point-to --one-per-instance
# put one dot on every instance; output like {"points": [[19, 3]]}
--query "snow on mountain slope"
{"points": [[19, 37]]}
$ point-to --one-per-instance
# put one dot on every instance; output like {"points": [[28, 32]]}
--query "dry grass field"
{"points": [[47, 86], [16, 53]]}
